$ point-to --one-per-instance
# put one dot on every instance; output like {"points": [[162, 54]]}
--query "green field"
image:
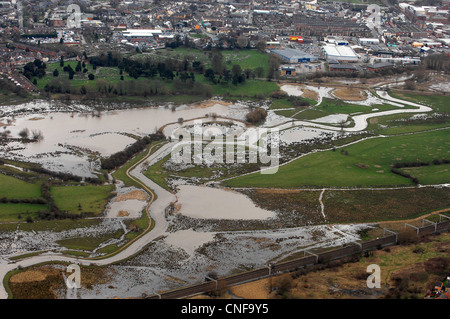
{"points": [[250, 59], [248, 89], [11, 187], [368, 163], [120, 173], [406, 123], [440, 103], [246, 58], [110, 74], [10, 212], [430, 174], [93, 199]]}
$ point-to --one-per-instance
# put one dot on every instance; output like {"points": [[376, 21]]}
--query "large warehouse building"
{"points": [[140, 33], [340, 53], [295, 56]]}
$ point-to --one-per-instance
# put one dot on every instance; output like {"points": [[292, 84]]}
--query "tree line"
{"points": [[120, 158]]}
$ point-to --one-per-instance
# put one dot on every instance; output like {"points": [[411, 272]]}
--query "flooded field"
{"points": [[69, 138], [211, 203], [74, 140]]}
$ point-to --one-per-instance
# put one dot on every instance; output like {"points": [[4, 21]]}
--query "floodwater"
{"points": [[68, 138], [295, 90], [132, 207], [332, 119], [188, 239], [213, 203], [299, 134]]}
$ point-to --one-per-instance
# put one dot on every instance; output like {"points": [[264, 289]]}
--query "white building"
{"points": [[140, 33], [340, 53], [367, 41]]}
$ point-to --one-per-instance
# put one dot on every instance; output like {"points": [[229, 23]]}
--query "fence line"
{"points": [[292, 265]]}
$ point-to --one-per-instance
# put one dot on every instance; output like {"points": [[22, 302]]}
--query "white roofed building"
{"points": [[340, 53]]}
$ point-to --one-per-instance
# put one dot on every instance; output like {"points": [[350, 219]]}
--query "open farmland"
{"points": [[367, 163], [77, 199], [11, 187]]}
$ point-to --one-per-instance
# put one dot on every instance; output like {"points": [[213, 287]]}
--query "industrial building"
{"points": [[379, 66], [140, 33], [345, 68], [295, 56], [287, 70], [368, 41], [340, 53]]}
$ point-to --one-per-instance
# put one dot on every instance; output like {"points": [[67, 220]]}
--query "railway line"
{"points": [[292, 265]]}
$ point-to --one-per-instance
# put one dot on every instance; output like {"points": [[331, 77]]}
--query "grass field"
{"points": [[93, 199], [246, 58], [120, 173], [11, 187], [440, 103], [368, 163], [110, 74], [10, 212], [406, 123], [430, 174]]}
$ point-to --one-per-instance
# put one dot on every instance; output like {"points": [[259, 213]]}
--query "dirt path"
{"points": [[417, 218]]}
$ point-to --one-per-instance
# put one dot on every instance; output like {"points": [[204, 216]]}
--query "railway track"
{"points": [[292, 265]]}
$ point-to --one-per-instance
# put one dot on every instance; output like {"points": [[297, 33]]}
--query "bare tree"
{"points": [[37, 135], [24, 133]]}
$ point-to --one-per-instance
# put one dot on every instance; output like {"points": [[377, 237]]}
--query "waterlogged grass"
{"points": [[139, 225], [158, 173], [440, 103], [336, 106], [77, 199], [366, 163], [350, 206], [408, 123], [88, 243]]}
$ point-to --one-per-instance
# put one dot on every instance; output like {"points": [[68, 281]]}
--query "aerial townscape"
{"points": [[214, 149]]}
